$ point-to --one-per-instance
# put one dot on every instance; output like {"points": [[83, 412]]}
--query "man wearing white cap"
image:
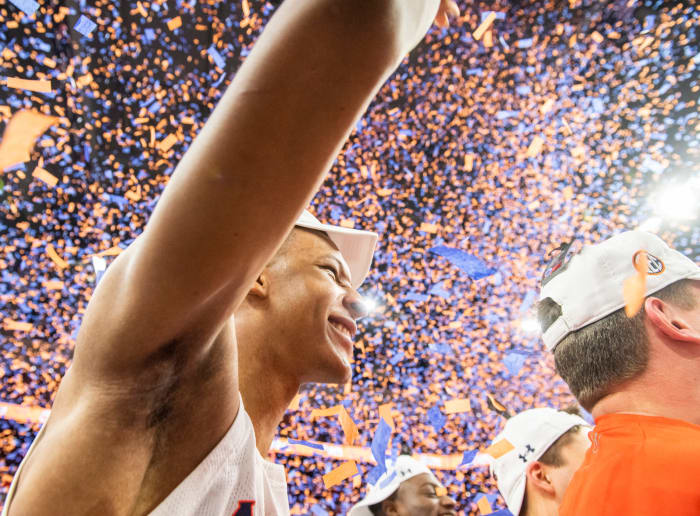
{"points": [[149, 418], [407, 488], [637, 373], [545, 448]]}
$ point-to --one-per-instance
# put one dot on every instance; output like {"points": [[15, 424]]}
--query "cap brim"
{"points": [[356, 246]]}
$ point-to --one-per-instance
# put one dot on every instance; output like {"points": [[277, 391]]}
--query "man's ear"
{"points": [[389, 508], [261, 287], [670, 321], [538, 477]]}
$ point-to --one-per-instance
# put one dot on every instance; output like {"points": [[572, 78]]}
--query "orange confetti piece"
{"points": [[20, 134], [457, 406], [112, 251], [469, 162], [175, 23], [347, 223], [45, 176], [597, 37], [39, 85], [481, 29], [535, 147], [454, 325], [55, 258], [11, 325], [488, 38], [499, 449], [53, 285], [246, 8], [634, 287], [484, 505], [141, 10], [547, 106], [441, 491], [384, 192], [497, 404], [385, 414], [337, 475], [346, 422], [428, 228], [168, 142], [294, 405]]}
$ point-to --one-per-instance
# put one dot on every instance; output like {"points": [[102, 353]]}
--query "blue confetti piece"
{"points": [[375, 473], [436, 418], [216, 57], [471, 265], [514, 362], [84, 25], [524, 43], [530, 298], [387, 480], [318, 510], [28, 7], [416, 296], [395, 359], [380, 441], [468, 457], [306, 443]]}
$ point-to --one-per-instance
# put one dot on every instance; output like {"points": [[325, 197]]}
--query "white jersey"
{"points": [[233, 480]]}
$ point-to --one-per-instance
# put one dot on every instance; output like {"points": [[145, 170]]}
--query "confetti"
{"points": [[499, 448], [481, 29], [28, 7], [85, 25], [457, 406], [342, 472]]}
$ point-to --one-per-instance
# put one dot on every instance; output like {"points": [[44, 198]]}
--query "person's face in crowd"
{"points": [[311, 296], [418, 496], [572, 455]]}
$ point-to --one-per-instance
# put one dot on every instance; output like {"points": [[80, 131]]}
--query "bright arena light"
{"points": [[370, 304], [677, 202], [530, 325]]}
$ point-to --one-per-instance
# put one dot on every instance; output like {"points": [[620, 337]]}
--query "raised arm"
{"points": [[256, 164]]}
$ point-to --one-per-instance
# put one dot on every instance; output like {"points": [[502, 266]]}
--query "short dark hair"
{"points": [[596, 358], [378, 508]]}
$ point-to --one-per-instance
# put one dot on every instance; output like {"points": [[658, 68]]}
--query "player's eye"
{"points": [[332, 271]]}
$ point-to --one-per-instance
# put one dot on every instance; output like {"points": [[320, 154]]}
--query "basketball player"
{"points": [[149, 419]]}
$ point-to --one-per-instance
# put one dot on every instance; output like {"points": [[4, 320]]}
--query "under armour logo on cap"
{"points": [[654, 265]]}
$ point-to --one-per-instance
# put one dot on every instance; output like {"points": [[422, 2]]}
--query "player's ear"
{"points": [[539, 478], [261, 287], [670, 321], [389, 508]]}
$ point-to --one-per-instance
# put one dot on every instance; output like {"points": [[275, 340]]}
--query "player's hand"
{"points": [[448, 9]]}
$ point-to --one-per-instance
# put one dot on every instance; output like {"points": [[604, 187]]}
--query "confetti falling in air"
{"points": [[85, 25], [557, 123]]}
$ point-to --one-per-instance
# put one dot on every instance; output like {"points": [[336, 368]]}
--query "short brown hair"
{"points": [[553, 456], [596, 358]]}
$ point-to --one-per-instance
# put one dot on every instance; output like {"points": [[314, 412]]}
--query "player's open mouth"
{"points": [[341, 328]]}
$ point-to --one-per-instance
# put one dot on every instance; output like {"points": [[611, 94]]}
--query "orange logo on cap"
{"points": [[654, 265]]}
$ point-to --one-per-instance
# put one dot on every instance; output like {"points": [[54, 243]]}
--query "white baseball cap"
{"points": [[403, 468], [590, 285], [356, 246], [531, 433]]}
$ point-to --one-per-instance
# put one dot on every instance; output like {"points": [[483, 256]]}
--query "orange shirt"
{"points": [[637, 465]]}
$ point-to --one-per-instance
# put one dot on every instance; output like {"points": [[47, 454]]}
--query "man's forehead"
{"points": [[317, 244]]}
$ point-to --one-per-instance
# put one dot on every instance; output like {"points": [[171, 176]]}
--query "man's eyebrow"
{"points": [[344, 272]]}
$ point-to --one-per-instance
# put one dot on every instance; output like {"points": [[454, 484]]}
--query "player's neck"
{"points": [[539, 505], [266, 392], [674, 396]]}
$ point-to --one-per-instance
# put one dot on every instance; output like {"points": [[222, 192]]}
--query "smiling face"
{"points": [[314, 307], [418, 496]]}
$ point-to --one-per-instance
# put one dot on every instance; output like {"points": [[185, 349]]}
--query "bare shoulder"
{"points": [[144, 433]]}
